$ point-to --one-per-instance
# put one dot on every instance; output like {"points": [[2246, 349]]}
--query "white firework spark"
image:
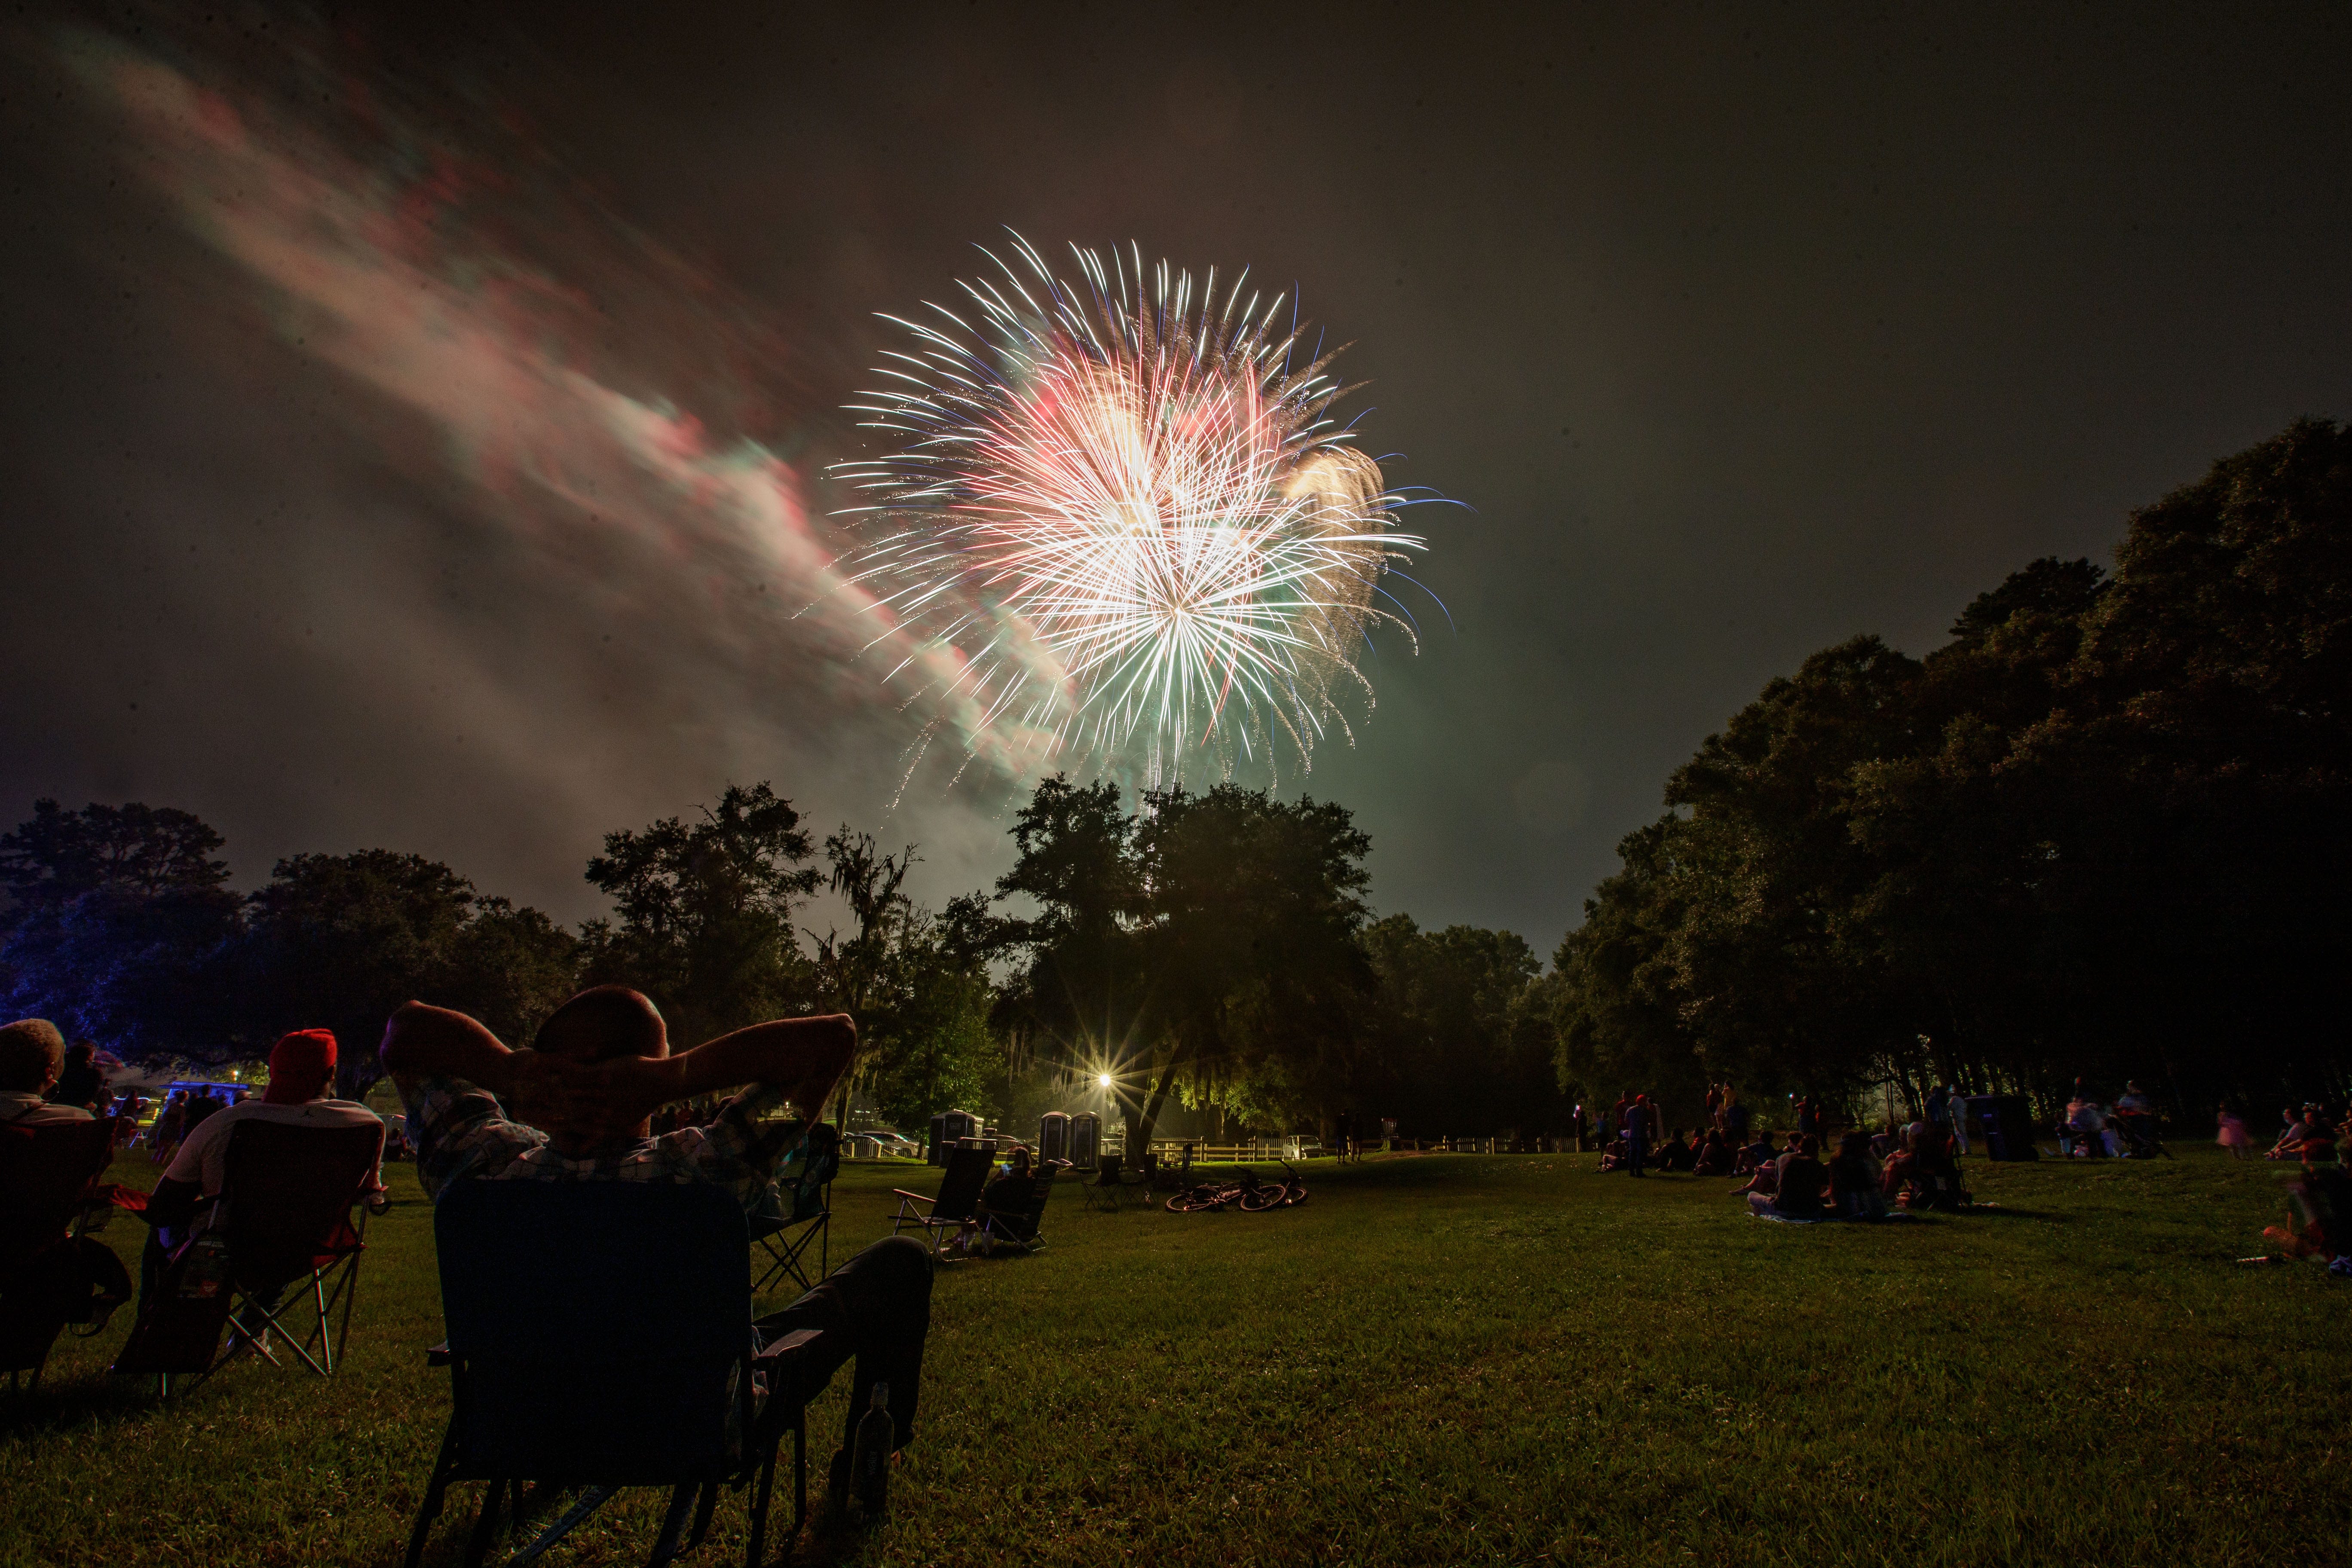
{"points": [[1125, 518]]}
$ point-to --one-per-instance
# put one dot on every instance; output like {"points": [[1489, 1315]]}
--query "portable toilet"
{"points": [[1053, 1137], [2005, 1124], [948, 1128], [962, 1124], [1085, 1140]]}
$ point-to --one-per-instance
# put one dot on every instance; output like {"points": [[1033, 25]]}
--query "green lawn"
{"points": [[1507, 1359]]}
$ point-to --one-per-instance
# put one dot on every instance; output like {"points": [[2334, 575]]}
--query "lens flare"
{"points": [[1120, 516]]}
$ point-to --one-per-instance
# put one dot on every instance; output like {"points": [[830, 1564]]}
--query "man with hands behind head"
{"points": [[576, 1107]]}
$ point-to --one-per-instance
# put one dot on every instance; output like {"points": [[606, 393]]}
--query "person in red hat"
{"points": [[301, 1070]]}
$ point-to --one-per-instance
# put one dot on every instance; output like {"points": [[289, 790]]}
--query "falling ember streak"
{"points": [[1124, 511]]}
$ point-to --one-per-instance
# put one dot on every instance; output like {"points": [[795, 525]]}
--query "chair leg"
{"points": [[271, 1319], [799, 1473], [590, 1501], [703, 1512], [347, 1289], [435, 1491], [758, 1533], [673, 1524], [486, 1525], [318, 1331]]}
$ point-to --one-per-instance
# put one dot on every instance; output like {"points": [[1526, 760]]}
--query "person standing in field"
{"points": [[2232, 1134], [1636, 1127], [1957, 1109]]}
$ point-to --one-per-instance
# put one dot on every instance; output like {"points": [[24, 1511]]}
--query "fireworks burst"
{"points": [[1121, 522]]}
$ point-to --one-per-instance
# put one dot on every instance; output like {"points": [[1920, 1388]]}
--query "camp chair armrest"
{"points": [[919, 1197], [788, 1343]]}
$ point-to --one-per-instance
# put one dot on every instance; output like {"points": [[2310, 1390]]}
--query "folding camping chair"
{"points": [[599, 1337], [286, 1196], [48, 1174], [1104, 1192], [1020, 1230], [948, 1215], [800, 1212]]}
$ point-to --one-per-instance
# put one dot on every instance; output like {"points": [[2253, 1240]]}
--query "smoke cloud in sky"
{"points": [[580, 561]]}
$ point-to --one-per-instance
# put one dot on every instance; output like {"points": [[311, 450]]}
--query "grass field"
{"points": [[1456, 1359]]}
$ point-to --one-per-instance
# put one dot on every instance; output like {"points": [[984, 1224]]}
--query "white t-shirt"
{"points": [[203, 1156], [22, 1108]]}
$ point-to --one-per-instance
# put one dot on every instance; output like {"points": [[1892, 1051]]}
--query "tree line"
{"points": [[2101, 832], [1208, 951]]}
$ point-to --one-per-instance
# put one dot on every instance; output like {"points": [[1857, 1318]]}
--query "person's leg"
{"points": [[876, 1306]]}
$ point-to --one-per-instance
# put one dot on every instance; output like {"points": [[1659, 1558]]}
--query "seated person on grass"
{"points": [[2290, 1142], [1853, 1180], [1924, 1174], [2319, 1209], [32, 1055], [1714, 1157], [1763, 1181], [599, 1066], [1797, 1186], [1612, 1158], [1676, 1154], [301, 1070], [2318, 1146], [1756, 1156]]}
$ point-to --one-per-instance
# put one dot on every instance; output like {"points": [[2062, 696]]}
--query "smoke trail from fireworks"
{"points": [[1121, 517], [448, 285]]}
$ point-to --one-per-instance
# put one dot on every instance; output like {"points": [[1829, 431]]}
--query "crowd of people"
{"points": [[1905, 1166], [2311, 1134], [580, 1106]]}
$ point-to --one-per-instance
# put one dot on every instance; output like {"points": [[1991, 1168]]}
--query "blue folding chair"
{"points": [[798, 1213], [599, 1337]]}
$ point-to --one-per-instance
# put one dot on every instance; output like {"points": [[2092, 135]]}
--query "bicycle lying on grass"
{"points": [[1246, 1192]]}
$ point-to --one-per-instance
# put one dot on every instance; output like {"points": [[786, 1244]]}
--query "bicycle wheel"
{"points": [[1258, 1200]]}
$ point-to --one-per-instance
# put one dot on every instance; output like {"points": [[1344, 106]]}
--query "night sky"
{"points": [[1738, 330]]}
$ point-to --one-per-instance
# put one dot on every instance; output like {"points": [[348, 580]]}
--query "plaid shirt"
{"points": [[461, 1133]]}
